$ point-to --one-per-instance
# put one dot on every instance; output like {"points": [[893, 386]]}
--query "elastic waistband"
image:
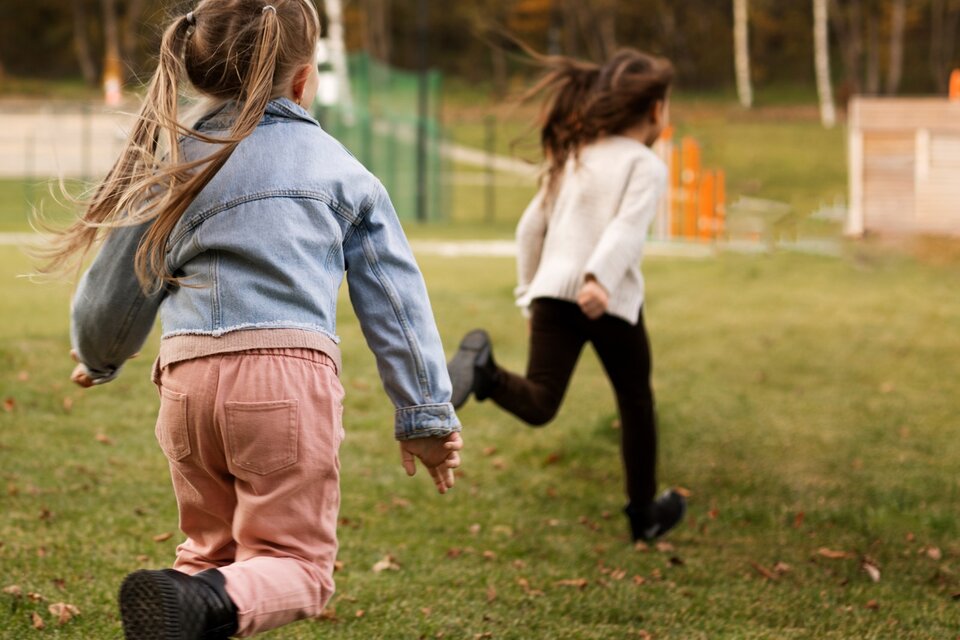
{"points": [[297, 343]]}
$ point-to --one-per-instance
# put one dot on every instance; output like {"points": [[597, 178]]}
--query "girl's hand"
{"points": [[80, 375], [593, 298], [439, 455]]}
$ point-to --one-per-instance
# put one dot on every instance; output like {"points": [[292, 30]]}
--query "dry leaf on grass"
{"points": [[525, 585], [329, 614], [162, 537], [686, 493], [491, 593], [579, 583], [489, 555], [932, 552], [798, 519], [489, 451], [873, 604], [833, 554], [387, 563], [67, 404], [360, 613], [13, 590], [664, 547], [9, 404], [872, 570], [103, 438], [763, 571], [63, 612], [37, 621]]}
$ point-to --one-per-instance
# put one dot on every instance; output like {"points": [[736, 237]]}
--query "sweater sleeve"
{"points": [[531, 231], [621, 244]]}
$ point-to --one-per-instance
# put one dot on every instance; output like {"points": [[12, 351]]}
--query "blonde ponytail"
{"points": [[150, 182]]}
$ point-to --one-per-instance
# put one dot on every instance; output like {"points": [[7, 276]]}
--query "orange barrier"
{"points": [[695, 206], [955, 85]]}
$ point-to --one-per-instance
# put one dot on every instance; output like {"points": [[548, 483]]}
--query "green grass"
{"points": [[786, 385]]}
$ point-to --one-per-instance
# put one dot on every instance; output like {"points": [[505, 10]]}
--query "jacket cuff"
{"points": [[102, 377], [425, 421]]}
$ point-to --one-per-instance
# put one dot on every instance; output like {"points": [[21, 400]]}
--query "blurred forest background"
{"points": [[878, 46]]}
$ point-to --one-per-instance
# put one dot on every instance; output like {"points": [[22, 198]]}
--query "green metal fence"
{"points": [[383, 130]]}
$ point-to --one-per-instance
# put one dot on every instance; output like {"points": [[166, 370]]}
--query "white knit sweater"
{"points": [[597, 225]]}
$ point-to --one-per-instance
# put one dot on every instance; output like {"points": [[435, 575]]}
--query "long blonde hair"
{"points": [[242, 50]]}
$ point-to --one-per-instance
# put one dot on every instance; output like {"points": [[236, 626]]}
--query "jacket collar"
{"points": [[277, 109]]}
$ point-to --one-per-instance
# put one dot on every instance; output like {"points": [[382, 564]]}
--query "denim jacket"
{"points": [[265, 245]]}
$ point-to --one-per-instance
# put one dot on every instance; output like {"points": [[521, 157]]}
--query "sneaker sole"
{"points": [[461, 366], [148, 607]]}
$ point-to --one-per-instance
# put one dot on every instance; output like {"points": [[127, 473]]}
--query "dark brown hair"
{"points": [[585, 101], [243, 50]]}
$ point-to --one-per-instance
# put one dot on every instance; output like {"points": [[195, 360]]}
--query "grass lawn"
{"points": [[808, 404]]}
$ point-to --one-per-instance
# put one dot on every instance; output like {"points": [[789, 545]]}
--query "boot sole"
{"points": [[149, 607], [461, 366]]}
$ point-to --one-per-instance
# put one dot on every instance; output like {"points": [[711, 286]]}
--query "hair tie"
{"points": [[191, 19], [269, 7]]}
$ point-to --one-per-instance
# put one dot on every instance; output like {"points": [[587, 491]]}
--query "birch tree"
{"points": [[741, 52], [898, 19], [338, 54], [821, 49]]}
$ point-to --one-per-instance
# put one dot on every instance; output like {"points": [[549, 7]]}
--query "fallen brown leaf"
{"points": [[33, 596], [9, 404], [489, 451], [67, 404], [763, 571], [454, 552], [360, 613], [872, 570], [664, 547], [686, 493], [474, 529], [798, 519], [426, 611], [13, 590], [873, 604], [553, 458], [639, 580], [933, 553], [162, 537], [781, 568], [579, 583], [23, 376], [489, 555], [491, 593], [338, 565], [63, 612], [387, 563], [834, 555], [37, 621]]}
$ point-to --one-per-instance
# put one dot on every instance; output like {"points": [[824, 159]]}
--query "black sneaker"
{"points": [[661, 515], [171, 605], [472, 369]]}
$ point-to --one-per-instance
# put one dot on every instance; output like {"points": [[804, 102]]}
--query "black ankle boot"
{"points": [[472, 369], [655, 519], [171, 605]]}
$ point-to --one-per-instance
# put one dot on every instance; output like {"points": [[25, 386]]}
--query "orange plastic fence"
{"points": [[955, 85], [696, 199]]}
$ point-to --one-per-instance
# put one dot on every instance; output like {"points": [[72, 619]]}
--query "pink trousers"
{"points": [[253, 438]]}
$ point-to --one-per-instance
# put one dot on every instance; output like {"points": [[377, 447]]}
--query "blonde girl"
{"points": [[237, 230]]}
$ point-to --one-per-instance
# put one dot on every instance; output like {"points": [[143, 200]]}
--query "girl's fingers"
{"points": [[406, 458]]}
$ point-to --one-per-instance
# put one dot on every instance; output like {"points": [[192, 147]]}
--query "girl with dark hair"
{"points": [[237, 230], [580, 243]]}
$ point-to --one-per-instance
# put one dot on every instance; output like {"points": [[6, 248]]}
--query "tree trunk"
{"points": [[81, 44], [944, 16], [605, 19], [338, 55], [131, 31], [847, 20], [741, 51], [112, 66], [872, 84], [378, 29], [821, 48], [898, 20]]}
